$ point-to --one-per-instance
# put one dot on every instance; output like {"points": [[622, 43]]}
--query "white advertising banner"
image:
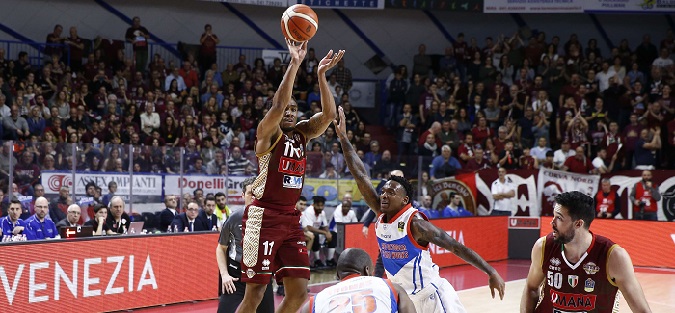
{"points": [[146, 185], [268, 55], [551, 183], [230, 185], [534, 6], [641, 6], [269, 3]]}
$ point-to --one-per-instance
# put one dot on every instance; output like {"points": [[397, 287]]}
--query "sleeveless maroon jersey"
{"points": [[281, 172], [581, 287]]}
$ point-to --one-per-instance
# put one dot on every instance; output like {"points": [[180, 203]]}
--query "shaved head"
{"points": [[354, 261], [396, 173]]}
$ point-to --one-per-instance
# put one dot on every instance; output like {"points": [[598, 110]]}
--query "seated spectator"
{"points": [[198, 196], [429, 148], [435, 129], [208, 215], [607, 202], [330, 172], [646, 149], [15, 126], [465, 150], [213, 167], [455, 208], [237, 163], [373, 155], [118, 221], [188, 221], [343, 212], [478, 162], [578, 163], [481, 131], [208, 150], [27, 173], [548, 162], [385, 164], [445, 164], [314, 220], [39, 225], [236, 133], [59, 206], [12, 225], [99, 221], [561, 155], [198, 168], [425, 205], [73, 217], [169, 213]]}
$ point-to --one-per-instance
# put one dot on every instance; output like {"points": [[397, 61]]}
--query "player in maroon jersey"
{"points": [[273, 242], [580, 271]]}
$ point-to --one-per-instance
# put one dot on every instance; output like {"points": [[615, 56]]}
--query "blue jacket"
{"points": [[42, 230], [8, 227]]}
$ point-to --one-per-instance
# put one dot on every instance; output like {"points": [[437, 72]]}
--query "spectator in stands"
{"points": [[465, 150], [429, 148], [314, 220], [27, 173], [188, 221], [39, 225], [502, 191], [118, 221], [527, 161], [73, 217], [645, 196], [561, 155], [167, 215], [15, 126], [539, 152], [481, 131], [236, 132], [445, 164], [213, 167], [138, 36], [646, 149], [509, 158], [448, 134], [578, 163], [59, 206], [112, 189], [455, 208], [207, 214], [434, 129], [5, 111], [478, 162], [236, 164], [600, 162], [406, 125], [607, 201], [385, 165], [343, 213], [664, 61], [98, 222], [198, 168], [373, 155], [12, 225], [343, 76], [174, 84]]}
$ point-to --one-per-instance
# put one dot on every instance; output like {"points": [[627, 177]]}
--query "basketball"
{"points": [[299, 23]]}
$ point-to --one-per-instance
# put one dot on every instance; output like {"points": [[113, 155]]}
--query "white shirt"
{"points": [[603, 80], [309, 218], [339, 218], [539, 153], [5, 110], [662, 63], [499, 187], [546, 106], [149, 122], [559, 157], [598, 163]]}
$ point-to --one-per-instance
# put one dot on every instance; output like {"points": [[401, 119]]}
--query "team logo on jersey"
{"points": [[573, 280], [250, 273], [401, 226], [293, 182], [590, 268], [555, 261], [265, 264], [589, 286]]}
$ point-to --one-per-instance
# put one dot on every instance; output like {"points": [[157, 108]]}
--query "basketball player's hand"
{"points": [[297, 50], [329, 61], [340, 124], [496, 282], [364, 230], [228, 283]]}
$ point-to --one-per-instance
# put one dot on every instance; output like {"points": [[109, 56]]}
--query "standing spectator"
{"points": [[539, 152], [54, 42], [397, 90], [373, 156], [343, 76], [39, 225], [73, 217], [138, 36], [59, 206], [645, 196], [15, 126], [607, 201], [189, 75], [422, 62], [76, 45], [207, 51], [407, 123], [502, 191], [465, 150], [600, 162], [118, 221], [663, 62], [509, 158], [478, 162], [445, 164], [646, 149], [646, 53]]}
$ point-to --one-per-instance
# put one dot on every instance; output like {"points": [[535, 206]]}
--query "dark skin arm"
{"points": [[405, 305], [355, 165], [425, 233]]}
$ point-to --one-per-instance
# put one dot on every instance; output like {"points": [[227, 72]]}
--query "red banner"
{"points": [[106, 274], [648, 243], [488, 236]]}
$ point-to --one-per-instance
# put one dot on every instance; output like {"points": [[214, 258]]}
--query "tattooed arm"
{"points": [[355, 165], [424, 233]]}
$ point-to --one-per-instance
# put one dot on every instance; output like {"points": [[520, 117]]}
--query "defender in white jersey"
{"points": [[358, 290], [404, 235]]}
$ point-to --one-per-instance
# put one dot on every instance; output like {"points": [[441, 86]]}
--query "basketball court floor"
{"points": [[471, 284]]}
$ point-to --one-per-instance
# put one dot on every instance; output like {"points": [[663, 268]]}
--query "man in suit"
{"points": [[72, 218], [188, 221], [207, 214], [169, 213]]}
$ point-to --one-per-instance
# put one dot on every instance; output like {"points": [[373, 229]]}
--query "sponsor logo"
{"points": [[55, 182], [555, 261], [250, 273], [523, 223], [265, 264], [590, 268], [302, 243], [589, 285], [573, 280], [572, 301], [293, 182], [291, 151], [401, 226], [291, 166]]}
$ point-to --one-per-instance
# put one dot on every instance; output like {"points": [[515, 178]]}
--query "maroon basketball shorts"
{"points": [[273, 244]]}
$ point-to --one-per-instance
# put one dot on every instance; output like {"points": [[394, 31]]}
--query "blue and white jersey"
{"points": [[357, 294], [406, 262]]}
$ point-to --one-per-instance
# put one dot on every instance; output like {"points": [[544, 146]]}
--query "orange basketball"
{"points": [[299, 23]]}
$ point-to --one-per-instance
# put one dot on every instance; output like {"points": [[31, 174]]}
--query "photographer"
{"points": [[644, 197], [607, 204]]}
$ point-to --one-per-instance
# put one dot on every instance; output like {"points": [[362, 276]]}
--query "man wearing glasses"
{"points": [[40, 226], [169, 213], [188, 221], [72, 217]]}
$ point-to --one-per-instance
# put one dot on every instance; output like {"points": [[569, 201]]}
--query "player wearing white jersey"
{"points": [[404, 237], [358, 290]]}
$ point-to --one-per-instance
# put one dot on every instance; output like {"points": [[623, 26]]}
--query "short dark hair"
{"points": [[210, 198], [221, 194], [194, 193], [302, 198], [15, 200], [98, 207], [406, 185], [549, 153], [319, 199], [579, 206]]}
